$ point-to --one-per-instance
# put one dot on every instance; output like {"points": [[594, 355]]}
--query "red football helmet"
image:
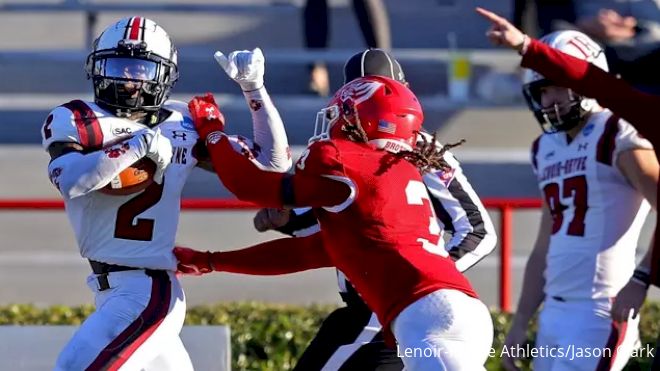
{"points": [[388, 112]]}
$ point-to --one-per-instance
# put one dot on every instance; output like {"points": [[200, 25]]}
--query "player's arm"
{"points": [[640, 167], [249, 182], [462, 214], [268, 131], [281, 256], [247, 67], [74, 170]]}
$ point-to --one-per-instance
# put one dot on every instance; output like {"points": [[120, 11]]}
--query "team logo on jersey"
{"points": [[583, 146], [187, 123], [255, 105], [588, 129], [116, 151]]}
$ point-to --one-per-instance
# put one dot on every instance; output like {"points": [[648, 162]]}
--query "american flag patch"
{"points": [[386, 127]]}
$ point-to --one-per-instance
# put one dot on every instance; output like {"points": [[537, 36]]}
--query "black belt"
{"points": [[102, 270]]}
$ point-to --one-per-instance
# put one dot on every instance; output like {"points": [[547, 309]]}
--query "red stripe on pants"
{"points": [[115, 354]]}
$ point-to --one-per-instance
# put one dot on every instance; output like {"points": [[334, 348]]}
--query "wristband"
{"points": [[642, 277]]}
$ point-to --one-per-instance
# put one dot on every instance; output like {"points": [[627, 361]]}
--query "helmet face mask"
{"points": [[384, 110], [325, 120], [560, 116], [563, 116], [131, 76]]}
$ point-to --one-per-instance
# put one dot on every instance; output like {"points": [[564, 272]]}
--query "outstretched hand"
{"points": [[193, 262], [206, 115], [246, 67], [502, 32], [271, 218]]}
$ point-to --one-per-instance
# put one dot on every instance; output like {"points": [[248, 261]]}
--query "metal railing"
{"points": [[505, 206]]}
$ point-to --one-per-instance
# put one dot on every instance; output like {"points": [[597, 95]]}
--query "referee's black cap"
{"points": [[373, 62]]}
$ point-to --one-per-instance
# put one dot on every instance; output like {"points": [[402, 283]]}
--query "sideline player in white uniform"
{"points": [[140, 306], [596, 175]]}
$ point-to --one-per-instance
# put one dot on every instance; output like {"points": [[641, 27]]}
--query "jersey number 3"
{"points": [[416, 194], [575, 187]]}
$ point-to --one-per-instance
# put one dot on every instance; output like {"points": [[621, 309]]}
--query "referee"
{"points": [[351, 337]]}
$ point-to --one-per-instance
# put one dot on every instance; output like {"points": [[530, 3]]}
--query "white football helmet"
{"points": [[580, 46], [133, 66]]}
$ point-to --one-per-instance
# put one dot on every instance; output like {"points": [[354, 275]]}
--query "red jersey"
{"points": [[384, 236]]}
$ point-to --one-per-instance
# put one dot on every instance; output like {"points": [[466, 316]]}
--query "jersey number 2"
{"points": [[416, 194], [575, 187], [143, 229]]}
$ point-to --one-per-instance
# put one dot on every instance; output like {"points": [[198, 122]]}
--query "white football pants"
{"points": [[586, 336], [135, 326], [445, 330]]}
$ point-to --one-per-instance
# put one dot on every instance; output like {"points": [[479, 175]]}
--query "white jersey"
{"points": [[136, 230], [597, 214]]}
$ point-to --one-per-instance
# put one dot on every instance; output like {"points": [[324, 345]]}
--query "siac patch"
{"points": [[588, 129], [188, 123]]}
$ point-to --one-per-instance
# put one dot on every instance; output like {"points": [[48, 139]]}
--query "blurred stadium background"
{"points": [[42, 52]]}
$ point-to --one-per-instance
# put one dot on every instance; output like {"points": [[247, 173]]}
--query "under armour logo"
{"points": [[179, 134], [211, 113], [582, 146]]}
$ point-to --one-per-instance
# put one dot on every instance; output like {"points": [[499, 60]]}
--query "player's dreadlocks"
{"points": [[355, 132], [427, 156]]}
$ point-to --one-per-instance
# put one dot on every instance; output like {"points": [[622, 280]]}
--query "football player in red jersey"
{"points": [[362, 176]]}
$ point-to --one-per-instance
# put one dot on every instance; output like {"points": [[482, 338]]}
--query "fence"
{"points": [[504, 206]]}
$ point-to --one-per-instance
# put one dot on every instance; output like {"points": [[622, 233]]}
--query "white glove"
{"points": [[243, 66], [159, 150]]}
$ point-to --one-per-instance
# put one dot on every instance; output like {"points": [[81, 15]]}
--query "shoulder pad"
{"points": [[320, 158], [59, 126]]}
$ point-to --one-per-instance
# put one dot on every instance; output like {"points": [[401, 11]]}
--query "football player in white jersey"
{"points": [[596, 175], [128, 239]]}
